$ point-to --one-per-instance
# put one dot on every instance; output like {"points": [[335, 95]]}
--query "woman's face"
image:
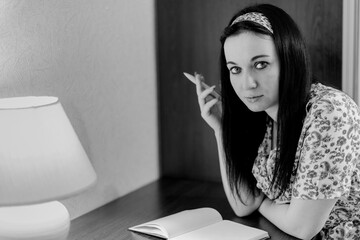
{"points": [[254, 71]]}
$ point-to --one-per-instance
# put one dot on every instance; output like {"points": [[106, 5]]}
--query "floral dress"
{"points": [[327, 161]]}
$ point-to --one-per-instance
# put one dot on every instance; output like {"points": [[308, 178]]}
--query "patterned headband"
{"points": [[256, 17]]}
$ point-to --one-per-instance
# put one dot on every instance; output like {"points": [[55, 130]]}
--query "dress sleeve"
{"points": [[330, 150]]}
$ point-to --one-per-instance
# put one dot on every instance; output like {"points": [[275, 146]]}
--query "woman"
{"points": [[288, 146]]}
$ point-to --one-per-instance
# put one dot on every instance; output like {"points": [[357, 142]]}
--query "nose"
{"points": [[249, 81]]}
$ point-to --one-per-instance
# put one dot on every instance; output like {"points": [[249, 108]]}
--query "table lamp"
{"points": [[41, 161]]}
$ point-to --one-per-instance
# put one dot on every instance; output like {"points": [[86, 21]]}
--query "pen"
{"points": [[204, 85]]}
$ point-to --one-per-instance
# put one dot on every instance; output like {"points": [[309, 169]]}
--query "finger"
{"points": [[207, 92], [198, 80], [206, 95], [208, 106]]}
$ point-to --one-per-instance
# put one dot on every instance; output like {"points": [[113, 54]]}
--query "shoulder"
{"points": [[329, 103], [320, 93], [332, 114], [329, 149]]}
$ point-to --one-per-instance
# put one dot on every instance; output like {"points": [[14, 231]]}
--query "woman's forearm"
{"points": [[278, 214], [249, 203], [301, 218]]}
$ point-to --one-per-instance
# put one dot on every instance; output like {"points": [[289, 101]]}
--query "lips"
{"points": [[253, 99]]}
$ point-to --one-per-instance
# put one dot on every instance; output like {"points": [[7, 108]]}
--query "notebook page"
{"points": [[225, 230], [185, 221]]}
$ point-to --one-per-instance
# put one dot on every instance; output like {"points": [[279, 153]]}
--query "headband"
{"points": [[256, 17]]}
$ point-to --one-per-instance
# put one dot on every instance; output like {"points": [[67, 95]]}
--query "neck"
{"points": [[274, 136], [272, 112]]}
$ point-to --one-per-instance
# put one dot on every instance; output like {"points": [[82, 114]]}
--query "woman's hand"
{"points": [[210, 107]]}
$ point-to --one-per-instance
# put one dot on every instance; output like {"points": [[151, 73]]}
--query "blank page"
{"points": [[180, 223], [225, 230]]}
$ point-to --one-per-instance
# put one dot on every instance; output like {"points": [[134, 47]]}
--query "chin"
{"points": [[255, 108]]}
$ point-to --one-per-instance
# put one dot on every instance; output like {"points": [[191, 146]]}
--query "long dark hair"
{"points": [[244, 130]]}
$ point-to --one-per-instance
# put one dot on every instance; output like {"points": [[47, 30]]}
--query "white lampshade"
{"points": [[41, 157]]}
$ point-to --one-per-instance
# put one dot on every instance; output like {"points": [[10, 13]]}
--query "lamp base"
{"points": [[50, 221]]}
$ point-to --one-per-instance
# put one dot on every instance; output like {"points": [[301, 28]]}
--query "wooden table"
{"points": [[159, 199]]}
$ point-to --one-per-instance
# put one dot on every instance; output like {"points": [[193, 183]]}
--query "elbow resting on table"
{"points": [[247, 207], [243, 211]]}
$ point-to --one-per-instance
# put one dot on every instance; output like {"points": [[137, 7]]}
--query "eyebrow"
{"points": [[259, 56], [252, 59]]}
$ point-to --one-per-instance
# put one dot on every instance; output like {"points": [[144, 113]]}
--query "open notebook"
{"points": [[199, 224]]}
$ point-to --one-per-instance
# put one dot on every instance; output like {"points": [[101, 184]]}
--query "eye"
{"points": [[261, 65], [235, 70]]}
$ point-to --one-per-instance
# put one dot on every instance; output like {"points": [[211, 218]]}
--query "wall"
{"points": [[98, 57], [188, 40], [351, 49]]}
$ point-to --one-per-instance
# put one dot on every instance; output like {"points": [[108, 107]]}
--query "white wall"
{"points": [[98, 57]]}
